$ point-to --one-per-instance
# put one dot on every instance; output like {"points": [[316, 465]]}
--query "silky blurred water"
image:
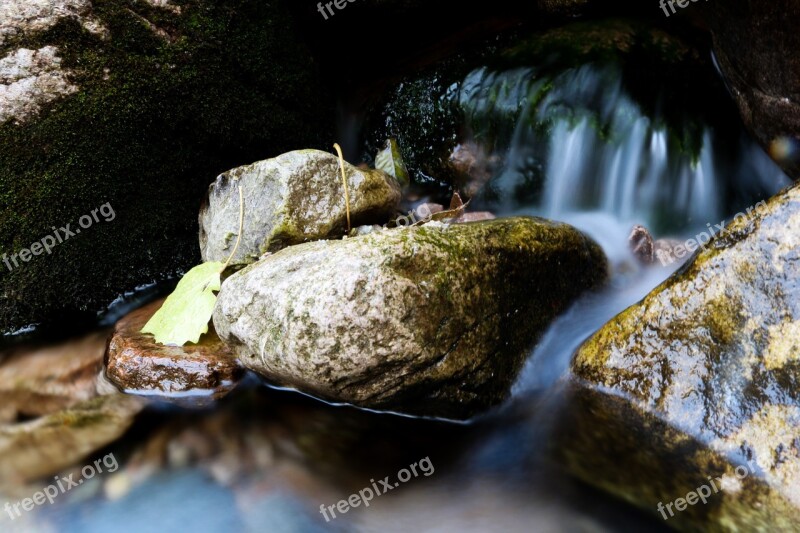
{"points": [[265, 460]]}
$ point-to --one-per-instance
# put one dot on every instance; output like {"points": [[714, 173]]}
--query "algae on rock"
{"points": [[432, 320], [705, 366]]}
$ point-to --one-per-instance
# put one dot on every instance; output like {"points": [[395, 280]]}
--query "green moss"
{"points": [[154, 122], [725, 320]]}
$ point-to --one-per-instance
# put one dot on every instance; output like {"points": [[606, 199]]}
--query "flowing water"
{"points": [[581, 151], [603, 166]]}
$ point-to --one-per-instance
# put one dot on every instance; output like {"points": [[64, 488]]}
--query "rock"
{"points": [[138, 365], [477, 216], [642, 245], [364, 230], [294, 198], [39, 381], [431, 320], [47, 445], [698, 379], [646, 249], [26, 18], [751, 39], [135, 105], [475, 165], [30, 79]]}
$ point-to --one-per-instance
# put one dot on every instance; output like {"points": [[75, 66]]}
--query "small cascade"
{"points": [[580, 144]]}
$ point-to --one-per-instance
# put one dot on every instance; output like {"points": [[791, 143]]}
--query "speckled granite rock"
{"points": [[291, 199], [431, 320], [700, 378]]}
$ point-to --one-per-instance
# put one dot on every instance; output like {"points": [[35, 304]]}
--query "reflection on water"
{"points": [[265, 459], [580, 151]]}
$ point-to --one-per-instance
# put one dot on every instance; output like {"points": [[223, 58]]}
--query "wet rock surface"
{"points": [[138, 365], [646, 249], [294, 198], [432, 320], [452, 119], [39, 381], [703, 373], [751, 38], [42, 447]]}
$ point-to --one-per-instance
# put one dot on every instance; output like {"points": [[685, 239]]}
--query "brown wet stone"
{"points": [[36, 381], [137, 364], [39, 448]]}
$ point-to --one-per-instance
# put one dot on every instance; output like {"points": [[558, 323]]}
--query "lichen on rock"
{"points": [[294, 198], [431, 320], [707, 364], [30, 79], [19, 18]]}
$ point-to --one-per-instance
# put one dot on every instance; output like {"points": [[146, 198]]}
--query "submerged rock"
{"points": [[138, 365], [432, 320], [701, 378], [294, 198], [47, 445], [136, 105], [39, 381]]}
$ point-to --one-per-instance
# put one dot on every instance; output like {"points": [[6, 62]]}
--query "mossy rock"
{"points": [[160, 97], [705, 366], [433, 320], [291, 199], [47, 445]]}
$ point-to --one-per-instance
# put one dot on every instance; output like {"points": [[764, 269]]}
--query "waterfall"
{"points": [[584, 145]]}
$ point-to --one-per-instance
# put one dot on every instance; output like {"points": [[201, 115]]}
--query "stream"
{"points": [[265, 459]]}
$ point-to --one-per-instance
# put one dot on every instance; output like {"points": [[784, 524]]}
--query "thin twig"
{"points": [[344, 181], [241, 224]]}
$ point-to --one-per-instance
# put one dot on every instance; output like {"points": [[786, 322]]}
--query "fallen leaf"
{"points": [[457, 208], [185, 314], [456, 202], [390, 161]]}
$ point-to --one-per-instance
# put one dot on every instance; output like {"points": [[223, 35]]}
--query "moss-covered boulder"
{"points": [[135, 104], [430, 320], [291, 199], [701, 379]]}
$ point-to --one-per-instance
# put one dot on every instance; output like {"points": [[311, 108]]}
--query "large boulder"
{"points": [[291, 199], [755, 43], [431, 320], [134, 106], [701, 379]]}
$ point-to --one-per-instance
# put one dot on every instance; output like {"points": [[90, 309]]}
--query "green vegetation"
{"points": [[166, 103]]}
